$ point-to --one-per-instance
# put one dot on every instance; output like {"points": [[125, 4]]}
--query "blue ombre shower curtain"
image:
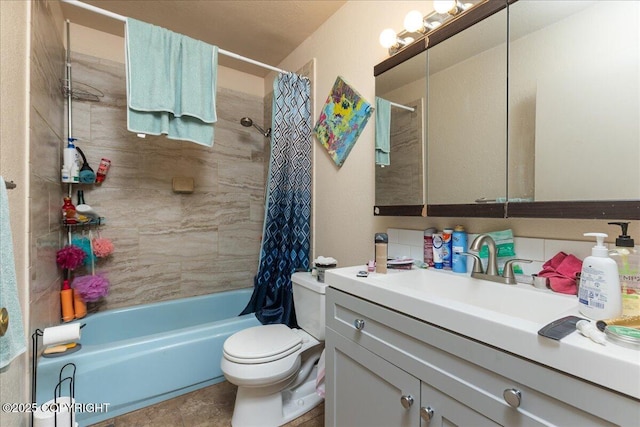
{"points": [[287, 224]]}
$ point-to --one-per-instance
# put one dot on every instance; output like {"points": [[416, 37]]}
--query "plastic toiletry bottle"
{"points": [[381, 242], [66, 302], [68, 212], [600, 296], [79, 306], [447, 247], [70, 155], [428, 245], [103, 168], [628, 259], [438, 251], [459, 244]]}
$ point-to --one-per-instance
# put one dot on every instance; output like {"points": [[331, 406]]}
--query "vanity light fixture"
{"points": [[417, 26]]}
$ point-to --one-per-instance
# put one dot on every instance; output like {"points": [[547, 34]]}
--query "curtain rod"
{"points": [[395, 104], [124, 19]]}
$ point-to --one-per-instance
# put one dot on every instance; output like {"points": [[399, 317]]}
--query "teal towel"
{"points": [[13, 343], [383, 132], [171, 83]]}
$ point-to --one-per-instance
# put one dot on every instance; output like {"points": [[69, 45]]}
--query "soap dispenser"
{"points": [[628, 259], [600, 294]]}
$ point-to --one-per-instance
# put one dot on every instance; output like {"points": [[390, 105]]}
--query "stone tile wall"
{"points": [[170, 245], [46, 130]]}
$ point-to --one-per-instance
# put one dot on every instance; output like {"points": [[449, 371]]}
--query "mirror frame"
{"points": [[598, 209]]}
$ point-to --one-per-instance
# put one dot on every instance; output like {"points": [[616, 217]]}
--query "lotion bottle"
{"points": [[628, 259], [600, 295]]}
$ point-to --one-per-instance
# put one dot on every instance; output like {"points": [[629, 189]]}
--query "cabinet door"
{"points": [[439, 410], [365, 390]]}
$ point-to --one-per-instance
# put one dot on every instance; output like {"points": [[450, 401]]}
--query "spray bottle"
{"points": [[600, 295], [628, 259]]}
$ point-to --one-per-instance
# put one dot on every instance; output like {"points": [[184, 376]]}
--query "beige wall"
{"points": [[347, 45], [14, 41]]}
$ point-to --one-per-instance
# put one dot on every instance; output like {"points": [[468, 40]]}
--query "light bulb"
{"points": [[443, 6], [413, 22], [388, 38]]}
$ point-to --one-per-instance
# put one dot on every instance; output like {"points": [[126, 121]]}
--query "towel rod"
{"points": [[404, 107], [124, 19], [10, 185]]}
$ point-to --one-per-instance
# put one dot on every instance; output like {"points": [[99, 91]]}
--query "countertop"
{"points": [[504, 316]]}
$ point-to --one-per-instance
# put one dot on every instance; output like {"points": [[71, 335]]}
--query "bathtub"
{"points": [[137, 356]]}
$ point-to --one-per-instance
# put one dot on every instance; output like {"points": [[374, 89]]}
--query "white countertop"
{"points": [[505, 316]]}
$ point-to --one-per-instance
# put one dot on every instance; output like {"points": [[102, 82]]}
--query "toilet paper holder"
{"points": [[57, 393]]}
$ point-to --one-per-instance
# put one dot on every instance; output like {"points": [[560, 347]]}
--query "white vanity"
{"points": [[433, 348]]}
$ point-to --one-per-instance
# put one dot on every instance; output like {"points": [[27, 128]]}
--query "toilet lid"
{"points": [[261, 344]]}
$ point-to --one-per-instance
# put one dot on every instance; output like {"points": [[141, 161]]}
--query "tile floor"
{"points": [[208, 407]]}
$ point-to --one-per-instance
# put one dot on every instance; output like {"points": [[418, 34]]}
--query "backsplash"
{"points": [[409, 243]]}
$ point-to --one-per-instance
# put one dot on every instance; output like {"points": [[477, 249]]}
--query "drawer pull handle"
{"points": [[512, 396], [359, 324], [406, 401], [426, 413]]}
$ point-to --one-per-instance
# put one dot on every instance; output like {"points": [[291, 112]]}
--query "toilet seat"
{"points": [[262, 344]]}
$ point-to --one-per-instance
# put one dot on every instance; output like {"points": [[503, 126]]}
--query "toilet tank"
{"points": [[309, 301]]}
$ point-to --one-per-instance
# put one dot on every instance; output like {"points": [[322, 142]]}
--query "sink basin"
{"points": [[484, 298]]}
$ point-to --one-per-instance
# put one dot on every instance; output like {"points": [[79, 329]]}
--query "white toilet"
{"points": [[274, 365]]}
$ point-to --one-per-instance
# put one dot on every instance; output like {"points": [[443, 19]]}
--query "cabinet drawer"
{"points": [[474, 373]]}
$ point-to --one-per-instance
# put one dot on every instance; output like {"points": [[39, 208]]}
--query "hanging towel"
{"points": [[383, 131], [171, 83], [13, 343]]}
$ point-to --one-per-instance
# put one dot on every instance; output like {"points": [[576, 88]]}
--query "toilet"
{"points": [[274, 366]]}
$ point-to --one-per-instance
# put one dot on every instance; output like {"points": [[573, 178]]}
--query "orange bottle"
{"points": [[79, 306], [66, 302]]}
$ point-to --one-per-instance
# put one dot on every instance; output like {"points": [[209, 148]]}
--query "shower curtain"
{"points": [[287, 224]]}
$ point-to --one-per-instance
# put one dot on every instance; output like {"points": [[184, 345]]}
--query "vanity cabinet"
{"points": [[388, 369]]}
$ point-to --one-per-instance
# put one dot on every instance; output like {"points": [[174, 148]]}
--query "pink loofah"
{"points": [[102, 247], [70, 257], [91, 288]]}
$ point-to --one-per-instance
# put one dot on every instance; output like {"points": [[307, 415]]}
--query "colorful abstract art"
{"points": [[341, 121]]}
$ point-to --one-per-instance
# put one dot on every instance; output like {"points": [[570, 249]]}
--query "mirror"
{"points": [[574, 101], [467, 111], [401, 182]]}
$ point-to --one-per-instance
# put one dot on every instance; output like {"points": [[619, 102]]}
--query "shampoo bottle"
{"points": [[628, 259], [600, 294], [79, 306], [66, 302]]}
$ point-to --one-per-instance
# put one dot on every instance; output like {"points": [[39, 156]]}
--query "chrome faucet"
{"points": [[492, 264]]}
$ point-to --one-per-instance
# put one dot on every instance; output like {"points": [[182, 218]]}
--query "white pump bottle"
{"points": [[600, 294]]}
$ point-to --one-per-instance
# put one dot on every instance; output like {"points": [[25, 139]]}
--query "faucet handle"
{"points": [[508, 274], [477, 263]]}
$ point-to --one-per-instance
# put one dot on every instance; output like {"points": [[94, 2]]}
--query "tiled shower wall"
{"points": [[170, 245], [46, 130]]}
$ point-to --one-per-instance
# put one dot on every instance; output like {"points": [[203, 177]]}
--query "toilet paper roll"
{"points": [[61, 334], [58, 412]]}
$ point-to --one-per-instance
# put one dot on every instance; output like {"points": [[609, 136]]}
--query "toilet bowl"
{"points": [[274, 366]]}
